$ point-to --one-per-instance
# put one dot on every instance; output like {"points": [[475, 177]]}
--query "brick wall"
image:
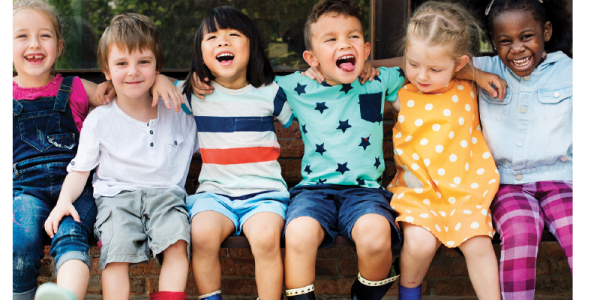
{"points": [[447, 277]]}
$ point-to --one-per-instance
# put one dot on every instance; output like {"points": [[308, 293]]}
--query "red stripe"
{"points": [[234, 156]]}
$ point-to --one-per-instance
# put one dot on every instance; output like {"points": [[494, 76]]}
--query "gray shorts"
{"points": [[132, 223]]}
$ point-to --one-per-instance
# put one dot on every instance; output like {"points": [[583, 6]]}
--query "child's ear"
{"points": [[107, 75], [310, 58], [547, 31], [367, 49], [60, 48], [461, 62]]}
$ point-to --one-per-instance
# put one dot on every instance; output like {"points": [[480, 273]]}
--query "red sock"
{"points": [[168, 296]]}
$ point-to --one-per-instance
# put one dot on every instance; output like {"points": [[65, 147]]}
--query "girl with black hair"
{"points": [[529, 132], [241, 187]]}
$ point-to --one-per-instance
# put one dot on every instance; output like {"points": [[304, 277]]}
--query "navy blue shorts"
{"points": [[338, 207]]}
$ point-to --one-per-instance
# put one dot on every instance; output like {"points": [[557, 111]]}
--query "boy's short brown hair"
{"points": [[348, 8], [130, 31]]}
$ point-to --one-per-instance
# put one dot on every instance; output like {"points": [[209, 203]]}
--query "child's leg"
{"points": [[115, 281], [303, 236], [371, 234], [174, 269], [482, 266], [417, 252], [557, 206], [263, 231], [209, 229], [518, 219]]}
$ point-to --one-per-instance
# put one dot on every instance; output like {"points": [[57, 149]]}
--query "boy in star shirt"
{"points": [[342, 167]]}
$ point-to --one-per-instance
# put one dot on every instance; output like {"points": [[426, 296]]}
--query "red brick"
{"points": [[454, 287], [94, 251], [551, 249], [237, 267], [388, 150], [137, 285], [542, 267], [325, 267], [47, 268], [560, 266], [348, 267], [46, 250], [238, 286], [95, 264], [95, 285], [450, 252], [190, 287], [290, 168], [554, 285], [339, 253], [222, 253], [292, 132], [333, 286], [240, 253], [150, 268], [291, 148], [447, 267]]}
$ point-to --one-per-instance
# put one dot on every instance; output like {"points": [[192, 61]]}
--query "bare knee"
{"points": [[477, 246], [303, 234], [373, 236], [178, 249], [420, 244], [266, 243], [205, 239]]}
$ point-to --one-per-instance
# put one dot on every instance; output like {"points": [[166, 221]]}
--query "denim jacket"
{"points": [[530, 133]]}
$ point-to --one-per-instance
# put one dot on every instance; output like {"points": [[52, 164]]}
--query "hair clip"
{"points": [[487, 9]]}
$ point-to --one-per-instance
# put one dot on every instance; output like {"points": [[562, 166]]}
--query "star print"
{"points": [[346, 87], [360, 181], [364, 143], [377, 162], [380, 179], [321, 107], [321, 181], [387, 93], [325, 84], [304, 128], [307, 169], [342, 168], [320, 149], [377, 78], [344, 125], [300, 89]]}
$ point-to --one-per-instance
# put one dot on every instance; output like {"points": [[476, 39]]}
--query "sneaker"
{"points": [[51, 291]]}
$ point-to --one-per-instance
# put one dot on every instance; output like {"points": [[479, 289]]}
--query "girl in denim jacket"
{"points": [[529, 133]]}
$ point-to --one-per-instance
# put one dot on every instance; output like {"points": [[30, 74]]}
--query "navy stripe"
{"points": [[232, 124], [280, 100]]}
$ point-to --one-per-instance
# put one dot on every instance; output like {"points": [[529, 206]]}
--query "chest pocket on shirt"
{"points": [[556, 102], [493, 108], [37, 127], [370, 107], [174, 146]]}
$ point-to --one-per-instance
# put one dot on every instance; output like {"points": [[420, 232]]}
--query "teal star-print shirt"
{"points": [[341, 127]]}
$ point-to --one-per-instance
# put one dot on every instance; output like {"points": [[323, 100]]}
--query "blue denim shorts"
{"points": [[239, 209], [338, 207]]}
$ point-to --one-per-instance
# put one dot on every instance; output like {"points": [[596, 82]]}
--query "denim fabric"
{"points": [[530, 133], [44, 141]]}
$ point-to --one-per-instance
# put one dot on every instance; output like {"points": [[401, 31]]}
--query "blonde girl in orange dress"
{"points": [[446, 177]]}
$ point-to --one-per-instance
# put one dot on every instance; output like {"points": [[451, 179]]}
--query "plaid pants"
{"points": [[519, 213]]}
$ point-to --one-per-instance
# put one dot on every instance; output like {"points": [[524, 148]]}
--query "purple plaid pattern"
{"points": [[519, 213]]}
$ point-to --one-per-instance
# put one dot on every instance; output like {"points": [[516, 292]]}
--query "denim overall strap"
{"points": [[17, 107], [62, 98]]}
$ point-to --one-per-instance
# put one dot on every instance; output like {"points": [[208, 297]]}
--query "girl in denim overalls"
{"points": [[530, 133]]}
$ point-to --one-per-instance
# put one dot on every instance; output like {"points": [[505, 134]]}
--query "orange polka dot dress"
{"points": [[446, 177]]}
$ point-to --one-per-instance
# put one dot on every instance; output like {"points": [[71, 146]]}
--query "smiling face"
{"points": [[132, 74], [226, 52], [430, 68], [338, 50], [35, 44], [519, 39]]}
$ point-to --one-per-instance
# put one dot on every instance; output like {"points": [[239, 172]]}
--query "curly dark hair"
{"points": [[554, 11], [348, 8]]}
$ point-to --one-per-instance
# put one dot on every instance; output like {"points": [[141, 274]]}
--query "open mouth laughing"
{"points": [[522, 63], [225, 58], [35, 58], [346, 63]]}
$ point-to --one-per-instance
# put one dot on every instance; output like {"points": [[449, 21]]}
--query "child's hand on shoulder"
{"points": [[368, 73], [492, 83], [61, 210], [164, 88], [201, 88]]}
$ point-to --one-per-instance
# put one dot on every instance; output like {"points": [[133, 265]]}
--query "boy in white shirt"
{"points": [[143, 154]]}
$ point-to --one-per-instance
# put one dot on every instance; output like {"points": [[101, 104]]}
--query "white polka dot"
{"points": [[429, 106], [478, 206], [410, 103], [456, 180], [414, 167], [478, 127], [490, 223], [455, 98], [461, 120], [460, 87], [453, 185], [424, 215], [438, 194], [446, 228], [470, 130], [389, 185], [408, 211], [427, 162], [442, 213], [441, 171], [433, 212], [490, 234], [464, 144], [485, 193], [484, 212], [418, 190], [473, 117], [426, 201], [453, 157], [452, 212], [486, 155], [400, 196], [474, 140], [466, 211], [480, 171], [496, 171], [474, 185], [472, 95], [401, 118], [451, 134], [415, 156], [418, 122], [474, 225], [436, 127], [437, 228], [450, 243], [424, 142], [457, 227], [492, 181], [452, 200], [427, 228], [471, 151], [468, 107], [393, 207], [405, 87], [439, 148], [399, 151], [467, 167], [447, 112], [409, 219], [435, 181], [398, 135], [467, 197]]}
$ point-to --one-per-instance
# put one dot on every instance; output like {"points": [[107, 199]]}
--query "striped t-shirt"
{"points": [[236, 132]]}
